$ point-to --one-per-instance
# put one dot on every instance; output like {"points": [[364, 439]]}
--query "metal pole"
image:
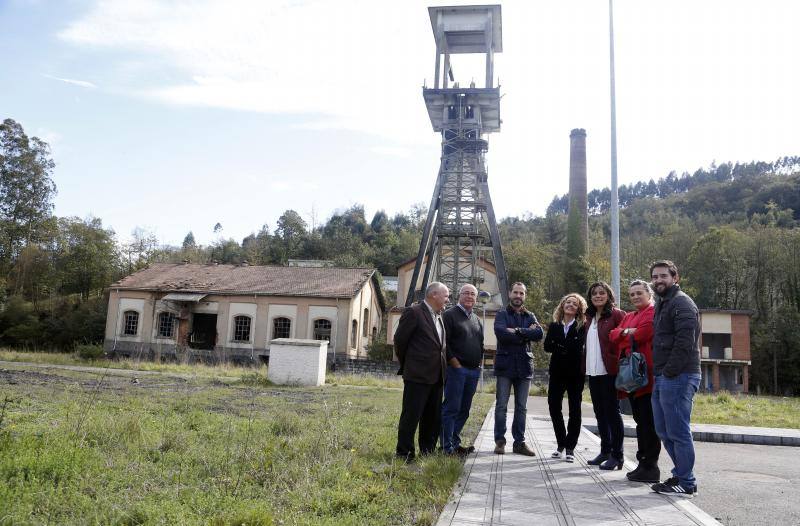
{"points": [[484, 331], [614, 196]]}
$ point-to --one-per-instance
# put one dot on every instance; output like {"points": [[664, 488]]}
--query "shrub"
{"points": [[90, 352], [379, 350]]}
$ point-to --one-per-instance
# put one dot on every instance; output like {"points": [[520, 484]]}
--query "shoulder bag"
{"points": [[632, 373]]}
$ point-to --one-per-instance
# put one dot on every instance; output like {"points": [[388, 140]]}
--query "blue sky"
{"points": [[176, 115]]}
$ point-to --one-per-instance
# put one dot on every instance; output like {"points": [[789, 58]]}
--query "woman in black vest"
{"points": [[564, 342]]}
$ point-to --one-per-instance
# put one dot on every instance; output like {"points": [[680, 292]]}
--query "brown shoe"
{"points": [[499, 447], [462, 451], [523, 449]]}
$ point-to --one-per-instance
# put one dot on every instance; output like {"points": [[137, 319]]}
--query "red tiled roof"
{"points": [[326, 282]]}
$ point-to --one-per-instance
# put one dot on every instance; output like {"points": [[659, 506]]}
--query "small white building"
{"points": [[232, 312]]}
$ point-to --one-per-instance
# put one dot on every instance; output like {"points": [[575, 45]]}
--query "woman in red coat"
{"points": [[638, 326]]}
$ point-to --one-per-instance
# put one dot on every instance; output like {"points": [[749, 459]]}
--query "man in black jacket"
{"points": [[676, 366], [464, 352]]}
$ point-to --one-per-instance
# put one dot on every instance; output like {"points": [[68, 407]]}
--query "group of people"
{"points": [[440, 354]]}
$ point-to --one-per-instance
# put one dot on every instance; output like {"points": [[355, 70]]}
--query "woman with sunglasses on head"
{"points": [[602, 316], [638, 326], [564, 342]]}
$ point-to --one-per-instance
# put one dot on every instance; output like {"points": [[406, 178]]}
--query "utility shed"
{"points": [[231, 312]]}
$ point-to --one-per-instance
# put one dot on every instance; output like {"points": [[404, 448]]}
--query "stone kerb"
{"points": [[297, 362]]}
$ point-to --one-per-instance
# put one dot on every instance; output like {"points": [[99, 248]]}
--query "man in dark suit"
{"points": [[419, 343]]}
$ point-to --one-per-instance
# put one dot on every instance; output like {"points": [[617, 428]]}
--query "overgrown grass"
{"points": [[741, 410], [75, 449], [746, 410], [48, 358]]}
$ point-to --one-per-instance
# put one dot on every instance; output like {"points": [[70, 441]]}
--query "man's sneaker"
{"points": [[675, 490], [669, 482], [521, 448], [556, 453], [499, 447], [570, 456]]}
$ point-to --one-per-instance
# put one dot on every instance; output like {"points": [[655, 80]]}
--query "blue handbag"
{"points": [[632, 373]]}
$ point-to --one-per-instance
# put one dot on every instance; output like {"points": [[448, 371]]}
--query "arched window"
{"points": [[241, 329], [354, 334], [322, 329], [365, 323], [281, 328], [374, 333], [130, 319], [166, 325]]}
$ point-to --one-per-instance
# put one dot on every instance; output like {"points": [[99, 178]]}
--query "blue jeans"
{"points": [[458, 392], [521, 387], [672, 409]]}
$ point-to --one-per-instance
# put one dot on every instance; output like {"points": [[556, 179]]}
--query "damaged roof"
{"points": [[319, 282]]}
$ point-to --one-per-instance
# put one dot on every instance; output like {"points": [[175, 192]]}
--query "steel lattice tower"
{"points": [[461, 228]]}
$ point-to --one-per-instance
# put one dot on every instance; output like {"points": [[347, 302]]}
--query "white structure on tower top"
{"points": [[466, 29]]}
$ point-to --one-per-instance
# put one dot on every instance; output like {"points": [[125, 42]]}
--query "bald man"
{"points": [[419, 343], [464, 352]]}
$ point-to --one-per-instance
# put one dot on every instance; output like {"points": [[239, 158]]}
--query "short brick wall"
{"points": [[364, 367], [383, 369]]}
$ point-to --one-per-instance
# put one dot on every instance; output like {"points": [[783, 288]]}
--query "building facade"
{"points": [[725, 353], [231, 312], [487, 310]]}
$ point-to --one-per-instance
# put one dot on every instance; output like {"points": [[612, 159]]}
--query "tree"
{"points": [[189, 242], [141, 249], [380, 222], [19, 324], [718, 271], [227, 251], [290, 231], [26, 191], [86, 256]]}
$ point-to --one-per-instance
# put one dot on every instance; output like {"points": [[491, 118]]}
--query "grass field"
{"points": [[105, 448], [742, 410]]}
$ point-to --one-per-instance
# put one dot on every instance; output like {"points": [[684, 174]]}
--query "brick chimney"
{"points": [[578, 220]]}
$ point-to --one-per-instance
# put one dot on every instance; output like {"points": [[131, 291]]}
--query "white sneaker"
{"points": [[570, 456], [556, 454]]}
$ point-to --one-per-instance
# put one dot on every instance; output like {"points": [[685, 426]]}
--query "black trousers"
{"points": [[606, 411], [646, 437], [573, 386], [422, 406]]}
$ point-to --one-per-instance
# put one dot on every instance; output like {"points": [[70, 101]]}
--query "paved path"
{"points": [[508, 490]]}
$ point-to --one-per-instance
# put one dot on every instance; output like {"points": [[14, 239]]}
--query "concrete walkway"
{"points": [[507, 490]]}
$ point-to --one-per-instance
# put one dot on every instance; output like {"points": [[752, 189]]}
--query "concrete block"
{"points": [[297, 362]]}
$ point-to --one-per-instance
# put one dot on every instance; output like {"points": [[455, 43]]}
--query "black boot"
{"points": [[599, 459], [635, 472], [645, 472]]}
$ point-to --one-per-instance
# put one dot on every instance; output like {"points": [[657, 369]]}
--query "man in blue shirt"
{"points": [[515, 327]]}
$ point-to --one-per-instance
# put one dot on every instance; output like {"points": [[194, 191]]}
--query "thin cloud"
{"points": [[74, 82], [284, 57]]}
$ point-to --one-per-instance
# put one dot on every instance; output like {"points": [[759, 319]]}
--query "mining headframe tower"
{"points": [[461, 228]]}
